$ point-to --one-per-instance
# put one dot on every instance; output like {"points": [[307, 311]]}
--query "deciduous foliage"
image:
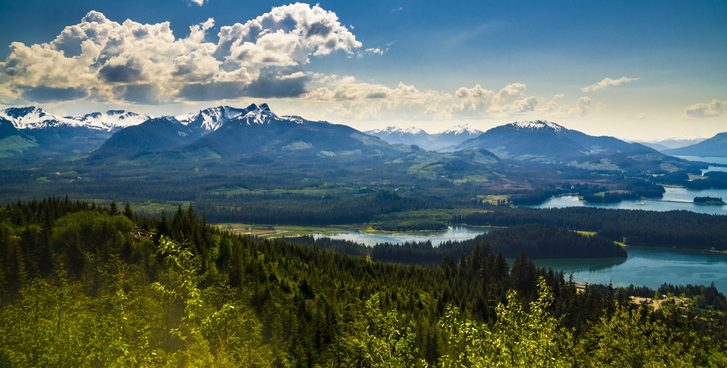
{"points": [[82, 286]]}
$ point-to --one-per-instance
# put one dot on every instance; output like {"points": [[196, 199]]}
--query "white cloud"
{"points": [[351, 99], [478, 101], [557, 109], [608, 82], [198, 2], [711, 109], [374, 51], [129, 61]]}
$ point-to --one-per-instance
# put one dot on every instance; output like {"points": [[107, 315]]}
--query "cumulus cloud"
{"points": [[348, 98], [711, 109], [198, 2], [145, 63], [608, 82], [478, 101], [556, 108]]}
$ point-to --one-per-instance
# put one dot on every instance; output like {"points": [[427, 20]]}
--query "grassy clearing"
{"points": [[277, 231], [432, 219]]}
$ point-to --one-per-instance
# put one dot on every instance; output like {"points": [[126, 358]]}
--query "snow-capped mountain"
{"points": [[462, 129], [420, 137], [550, 142], [238, 132], [395, 130], [536, 124], [32, 117], [213, 118], [109, 120]]}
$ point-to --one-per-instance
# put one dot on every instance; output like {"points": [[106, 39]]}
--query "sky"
{"points": [[641, 70]]}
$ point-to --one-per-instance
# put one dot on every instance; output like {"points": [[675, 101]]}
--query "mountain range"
{"points": [[31, 132], [257, 134], [231, 133], [428, 141]]}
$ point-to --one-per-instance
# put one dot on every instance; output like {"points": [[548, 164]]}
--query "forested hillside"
{"points": [[87, 285]]}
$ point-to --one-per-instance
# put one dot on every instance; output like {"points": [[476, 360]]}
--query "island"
{"points": [[711, 201]]}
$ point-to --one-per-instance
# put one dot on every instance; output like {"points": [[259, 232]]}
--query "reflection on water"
{"points": [[581, 265], [458, 233], [651, 267]]}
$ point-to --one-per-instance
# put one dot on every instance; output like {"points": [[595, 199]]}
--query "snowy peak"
{"points": [[32, 117], [536, 125], [109, 120], [395, 130], [258, 115], [212, 119], [461, 129]]}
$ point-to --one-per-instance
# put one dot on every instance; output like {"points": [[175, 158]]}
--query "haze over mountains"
{"points": [[429, 141], [220, 148], [715, 146]]}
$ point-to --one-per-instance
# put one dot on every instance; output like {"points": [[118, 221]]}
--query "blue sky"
{"points": [[430, 64]]}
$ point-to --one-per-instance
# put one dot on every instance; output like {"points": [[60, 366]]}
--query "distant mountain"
{"points": [[41, 133], [406, 136], [715, 146], [33, 118], [548, 142], [667, 144], [110, 120], [232, 133], [429, 141]]}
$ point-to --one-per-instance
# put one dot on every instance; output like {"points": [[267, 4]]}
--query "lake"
{"points": [[456, 233], [644, 266], [675, 198], [648, 266]]}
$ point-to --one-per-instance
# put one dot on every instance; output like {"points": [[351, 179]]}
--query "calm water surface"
{"points": [[370, 239], [648, 266], [675, 198], [644, 266]]}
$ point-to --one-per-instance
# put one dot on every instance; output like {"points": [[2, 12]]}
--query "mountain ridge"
{"points": [[715, 146]]}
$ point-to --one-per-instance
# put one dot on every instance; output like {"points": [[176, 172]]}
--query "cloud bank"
{"points": [[711, 109], [608, 82], [108, 61], [348, 98]]}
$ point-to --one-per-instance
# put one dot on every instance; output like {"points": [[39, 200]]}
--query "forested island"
{"points": [[680, 229], [711, 201], [90, 285]]}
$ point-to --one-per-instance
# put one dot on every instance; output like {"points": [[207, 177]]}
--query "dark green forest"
{"points": [[682, 229], [537, 241], [89, 285]]}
